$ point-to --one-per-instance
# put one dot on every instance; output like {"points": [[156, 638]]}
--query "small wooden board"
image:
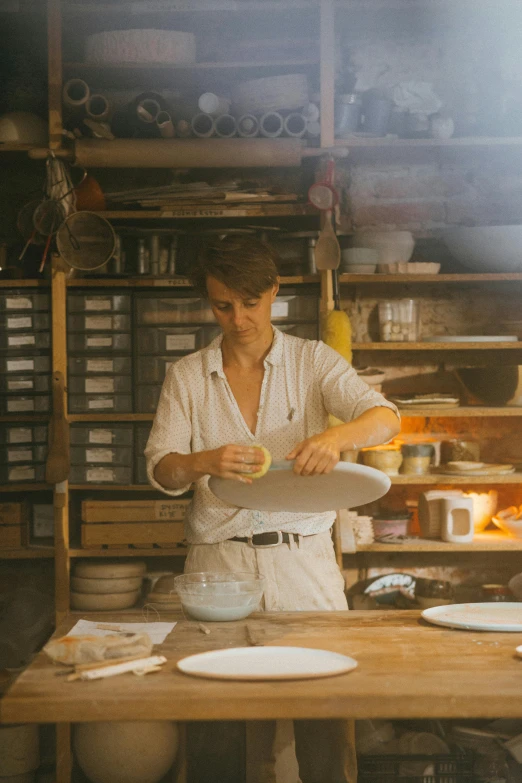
{"points": [[133, 510], [122, 534]]}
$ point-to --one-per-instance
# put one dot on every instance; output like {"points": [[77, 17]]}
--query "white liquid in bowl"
{"points": [[218, 613]]}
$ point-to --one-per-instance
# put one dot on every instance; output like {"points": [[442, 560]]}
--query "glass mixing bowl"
{"points": [[218, 596]]}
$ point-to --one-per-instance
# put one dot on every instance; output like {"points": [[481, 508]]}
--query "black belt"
{"points": [[268, 539]]}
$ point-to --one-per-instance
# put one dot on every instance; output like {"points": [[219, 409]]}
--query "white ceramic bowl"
{"points": [[515, 585], [486, 248], [508, 523], [359, 255], [219, 595], [392, 246], [358, 269]]}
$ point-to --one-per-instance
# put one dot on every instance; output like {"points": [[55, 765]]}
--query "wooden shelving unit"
{"points": [[158, 282], [463, 412], [130, 552], [25, 487], [290, 209], [486, 277], [37, 553], [426, 346], [482, 542], [447, 479]]}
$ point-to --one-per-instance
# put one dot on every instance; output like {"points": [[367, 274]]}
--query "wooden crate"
{"points": [[13, 536], [13, 513], [121, 534], [133, 510], [14, 520]]}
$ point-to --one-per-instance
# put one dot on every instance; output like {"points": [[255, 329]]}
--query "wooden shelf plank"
{"points": [[391, 142], [112, 487], [87, 67], [487, 277], [422, 346], [164, 282], [290, 209], [34, 418], [26, 487], [174, 552], [440, 478], [27, 554], [25, 284], [482, 542], [463, 412], [6, 147], [86, 417], [186, 6]]}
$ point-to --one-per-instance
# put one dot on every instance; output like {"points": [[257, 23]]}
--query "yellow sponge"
{"points": [[263, 469]]}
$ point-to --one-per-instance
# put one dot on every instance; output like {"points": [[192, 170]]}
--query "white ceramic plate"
{"points": [[480, 338], [267, 663], [477, 617], [347, 486]]}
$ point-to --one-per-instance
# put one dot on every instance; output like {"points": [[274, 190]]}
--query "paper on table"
{"points": [[158, 632]]}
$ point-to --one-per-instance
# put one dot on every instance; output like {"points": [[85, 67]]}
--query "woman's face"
{"points": [[243, 319]]}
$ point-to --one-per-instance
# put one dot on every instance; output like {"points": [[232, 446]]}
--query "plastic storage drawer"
{"points": [[140, 463], [22, 473], [100, 384], [101, 455], [26, 341], [23, 302], [147, 398], [99, 343], [295, 307], [98, 303], [102, 434], [25, 322], [153, 369], [23, 433], [100, 474], [25, 383], [98, 323], [21, 454], [25, 364], [157, 311], [118, 365], [10, 403], [100, 403], [306, 331], [171, 339]]}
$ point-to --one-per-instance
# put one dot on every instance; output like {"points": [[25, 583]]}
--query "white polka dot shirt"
{"points": [[304, 381]]}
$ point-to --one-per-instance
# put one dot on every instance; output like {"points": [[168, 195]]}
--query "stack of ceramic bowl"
{"points": [[392, 247], [19, 752], [163, 594], [109, 585], [359, 260]]}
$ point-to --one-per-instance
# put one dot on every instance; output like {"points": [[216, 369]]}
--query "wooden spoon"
{"points": [[327, 250]]}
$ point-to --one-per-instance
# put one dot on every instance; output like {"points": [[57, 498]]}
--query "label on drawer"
{"points": [[19, 455], [100, 365], [97, 304], [99, 342], [99, 404], [98, 322], [20, 435], [18, 303], [99, 474], [19, 365], [17, 385], [99, 385], [100, 436], [24, 322], [279, 309], [21, 473], [99, 455], [20, 406], [21, 339], [180, 342]]}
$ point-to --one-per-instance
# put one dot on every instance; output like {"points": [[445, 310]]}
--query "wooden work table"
{"points": [[407, 669]]}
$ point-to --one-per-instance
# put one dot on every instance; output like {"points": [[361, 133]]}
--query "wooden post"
{"points": [[63, 753], [54, 72], [327, 71]]}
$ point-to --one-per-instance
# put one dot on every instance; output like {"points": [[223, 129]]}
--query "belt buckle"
{"points": [[266, 546]]}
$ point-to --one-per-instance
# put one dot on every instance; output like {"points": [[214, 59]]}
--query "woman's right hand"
{"points": [[231, 462]]}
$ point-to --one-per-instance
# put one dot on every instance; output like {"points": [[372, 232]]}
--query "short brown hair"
{"points": [[243, 263]]}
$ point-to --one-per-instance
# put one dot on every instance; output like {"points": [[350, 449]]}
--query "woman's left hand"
{"points": [[318, 454]]}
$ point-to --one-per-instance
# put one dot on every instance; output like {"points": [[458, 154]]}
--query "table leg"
{"points": [[63, 753]]}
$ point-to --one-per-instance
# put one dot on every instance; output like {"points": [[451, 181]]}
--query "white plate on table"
{"points": [[280, 489], [477, 617], [267, 663]]}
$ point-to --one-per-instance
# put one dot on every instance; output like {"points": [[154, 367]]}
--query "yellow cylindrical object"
{"points": [[187, 153]]}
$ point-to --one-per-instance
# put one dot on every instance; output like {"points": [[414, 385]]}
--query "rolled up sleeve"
{"points": [[172, 429], [345, 395]]}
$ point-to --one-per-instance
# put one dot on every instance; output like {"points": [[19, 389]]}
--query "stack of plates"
{"points": [[109, 585], [412, 401]]}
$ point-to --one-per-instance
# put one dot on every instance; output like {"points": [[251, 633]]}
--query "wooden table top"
{"points": [[407, 669]]}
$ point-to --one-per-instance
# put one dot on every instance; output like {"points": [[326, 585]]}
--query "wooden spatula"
{"points": [[327, 250], [58, 457]]}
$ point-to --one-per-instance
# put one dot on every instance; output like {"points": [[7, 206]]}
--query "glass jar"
{"points": [[416, 458], [399, 320], [496, 593], [433, 592]]}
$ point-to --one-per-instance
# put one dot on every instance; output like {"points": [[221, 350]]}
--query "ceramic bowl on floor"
{"points": [[219, 596]]}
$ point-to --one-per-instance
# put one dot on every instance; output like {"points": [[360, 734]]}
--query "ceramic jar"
{"points": [[416, 458], [387, 460]]}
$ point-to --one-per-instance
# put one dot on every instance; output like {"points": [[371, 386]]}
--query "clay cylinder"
{"points": [[295, 125], [209, 103], [75, 93], [203, 125], [248, 126], [187, 153], [165, 125], [271, 124], [225, 126], [97, 107]]}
